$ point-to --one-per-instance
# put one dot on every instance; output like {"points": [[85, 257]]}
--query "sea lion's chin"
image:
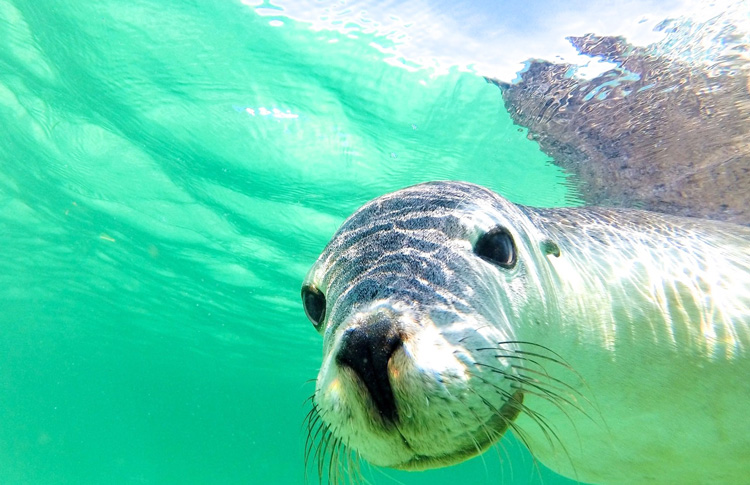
{"points": [[484, 437]]}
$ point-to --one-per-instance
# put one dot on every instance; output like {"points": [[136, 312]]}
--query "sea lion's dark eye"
{"points": [[497, 247], [315, 304]]}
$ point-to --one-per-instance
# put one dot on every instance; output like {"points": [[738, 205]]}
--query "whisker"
{"points": [[549, 433], [311, 439], [510, 356], [532, 414], [544, 392], [564, 385], [523, 380], [509, 422], [559, 359], [335, 462], [322, 452]]}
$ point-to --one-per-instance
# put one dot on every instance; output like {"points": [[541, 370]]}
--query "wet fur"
{"points": [[582, 318]]}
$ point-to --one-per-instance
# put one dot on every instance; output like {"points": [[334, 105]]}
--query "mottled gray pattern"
{"points": [[397, 246]]}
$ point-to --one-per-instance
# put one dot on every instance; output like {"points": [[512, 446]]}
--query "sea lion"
{"points": [[614, 343]]}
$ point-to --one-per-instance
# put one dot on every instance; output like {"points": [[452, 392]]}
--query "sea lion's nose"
{"points": [[366, 349]]}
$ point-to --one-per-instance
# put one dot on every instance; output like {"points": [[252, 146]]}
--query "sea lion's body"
{"points": [[614, 343], [655, 317]]}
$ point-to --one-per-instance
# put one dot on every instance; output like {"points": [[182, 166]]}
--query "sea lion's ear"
{"points": [[550, 247]]}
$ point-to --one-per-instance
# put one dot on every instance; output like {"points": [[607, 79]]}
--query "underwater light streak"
{"points": [[274, 113]]}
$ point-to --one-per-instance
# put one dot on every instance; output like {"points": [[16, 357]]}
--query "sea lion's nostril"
{"points": [[366, 350]]}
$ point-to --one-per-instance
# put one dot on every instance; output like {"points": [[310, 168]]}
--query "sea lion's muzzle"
{"points": [[366, 349]]}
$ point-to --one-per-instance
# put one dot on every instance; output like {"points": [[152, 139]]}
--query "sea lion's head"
{"points": [[417, 297]]}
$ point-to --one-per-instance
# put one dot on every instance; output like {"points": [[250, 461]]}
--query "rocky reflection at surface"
{"points": [[667, 129]]}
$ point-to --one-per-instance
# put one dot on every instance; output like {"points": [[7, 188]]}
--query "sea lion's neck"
{"points": [[623, 276]]}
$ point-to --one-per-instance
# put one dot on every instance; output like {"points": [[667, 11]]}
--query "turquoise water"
{"points": [[157, 217]]}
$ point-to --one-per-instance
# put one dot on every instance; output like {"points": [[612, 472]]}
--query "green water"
{"points": [[155, 231]]}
